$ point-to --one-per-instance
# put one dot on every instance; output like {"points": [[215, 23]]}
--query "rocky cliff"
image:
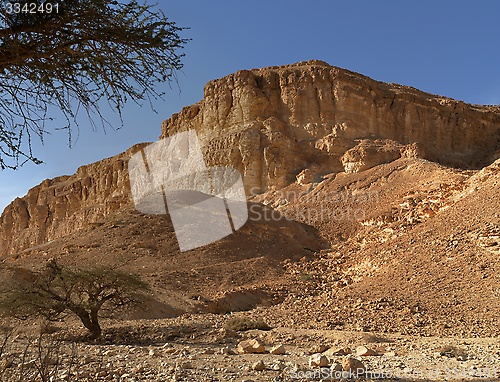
{"points": [[272, 123], [275, 125], [63, 205]]}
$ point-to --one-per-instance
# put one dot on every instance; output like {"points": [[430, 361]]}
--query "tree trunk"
{"points": [[96, 331], [90, 321]]}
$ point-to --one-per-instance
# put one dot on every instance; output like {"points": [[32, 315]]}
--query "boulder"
{"points": [[251, 346]]}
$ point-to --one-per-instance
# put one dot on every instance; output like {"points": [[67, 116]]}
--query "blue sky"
{"points": [[443, 47]]}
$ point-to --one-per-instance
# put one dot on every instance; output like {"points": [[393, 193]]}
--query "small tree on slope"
{"points": [[86, 293]]}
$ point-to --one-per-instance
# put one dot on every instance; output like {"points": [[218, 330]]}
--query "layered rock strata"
{"points": [[272, 123], [275, 125]]}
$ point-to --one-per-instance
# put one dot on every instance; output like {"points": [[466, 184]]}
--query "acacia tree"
{"points": [[58, 291], [73, 58]]}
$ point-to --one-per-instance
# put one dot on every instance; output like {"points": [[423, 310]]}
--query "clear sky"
{"points": [[444, 47]]}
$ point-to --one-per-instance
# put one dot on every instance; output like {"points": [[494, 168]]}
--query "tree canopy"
{"points": [[73, 55], [88, 293]]}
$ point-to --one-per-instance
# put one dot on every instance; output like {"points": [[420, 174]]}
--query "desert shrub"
{"points": [[41, 358], [374, 338], [244, 323], [453, 352], [305, 277]]}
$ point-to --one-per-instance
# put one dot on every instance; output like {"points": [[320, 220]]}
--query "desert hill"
{"points": [[389, 193], [422, 259]]}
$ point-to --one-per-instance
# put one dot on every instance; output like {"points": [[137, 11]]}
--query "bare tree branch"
{"points": [[89, 51]]}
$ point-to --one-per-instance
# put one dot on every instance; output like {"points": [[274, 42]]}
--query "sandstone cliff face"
{"points": [[273, 123], [63, 205], [307, 119]]}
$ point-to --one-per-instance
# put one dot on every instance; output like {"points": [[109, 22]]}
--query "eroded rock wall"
{"points": [[274, 122], [59, 206]]}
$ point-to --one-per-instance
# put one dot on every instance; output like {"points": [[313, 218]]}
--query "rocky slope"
{"points": [[275, 125], [415, 250]]}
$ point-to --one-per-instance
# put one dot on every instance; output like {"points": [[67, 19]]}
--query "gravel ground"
{"points": [[200, 348]]}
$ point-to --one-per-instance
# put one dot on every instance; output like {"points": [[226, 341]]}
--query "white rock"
{"points": [[363, 351], [250, 346], [318, 360]]}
